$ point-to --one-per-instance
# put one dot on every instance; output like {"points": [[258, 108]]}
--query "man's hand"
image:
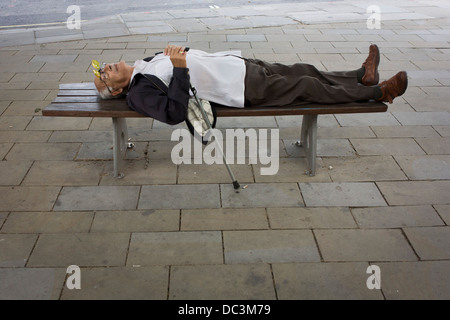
{"points": [[177, 56]]}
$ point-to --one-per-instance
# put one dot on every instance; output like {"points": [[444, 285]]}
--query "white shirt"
{"points": [[217, 77]]}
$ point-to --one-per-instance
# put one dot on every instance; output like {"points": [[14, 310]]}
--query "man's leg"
{"points": [[302, 69], [268, 84]]}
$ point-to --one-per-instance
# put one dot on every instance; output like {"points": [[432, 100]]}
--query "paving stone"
{"points": [[3, 216], [396, 217], [121, 283], [59, 123], [179, 197], [261, 195], [19, 67], [421, 101], [443, 130], [363, 245], [325, 148], [14, 122], [236, 282], [28, 198], [136, 221], [43, 151], [14, 85], [161, 150], [424, 280], [433, 167], [13, 172], [361, 120], [187, 25], [65, 173], [140, 172], [423, 118], [415, 192], [352, 194], [31, 76], [6, 76], [323, 121], [48, 222], [444, 212], [25, 108], [344, 132], [404, 131], [80, 136], [31, 283], [221, 23], [290, 170], [246, 122], [98, 198], [15, 249], [430, 243], [323, 281], [96, 151], [4, 149], [80, 249], [53, 67], [269, 246], [396, 146], [54, 58], [310, 218], [175, 248], [435, 145], [224, 219], [367, 168], [246, 37], [167, 38], [23, 136], [214, 173]]}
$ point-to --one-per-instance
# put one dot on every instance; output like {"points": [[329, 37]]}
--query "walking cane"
{"points": [[208, 123]]}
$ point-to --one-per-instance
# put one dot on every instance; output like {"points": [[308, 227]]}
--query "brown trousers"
{"points": [[274, 84]]}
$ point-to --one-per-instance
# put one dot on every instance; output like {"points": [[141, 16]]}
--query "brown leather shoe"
{"points": [[371, 76], [394, 87]]}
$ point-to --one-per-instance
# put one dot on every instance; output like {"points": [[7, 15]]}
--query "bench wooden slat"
{"points": [[112, 110], [77, 86], [302, 109], [81, 100], [77, 93]]}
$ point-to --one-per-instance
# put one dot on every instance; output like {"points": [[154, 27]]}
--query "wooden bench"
{"points": [[81, 100]]}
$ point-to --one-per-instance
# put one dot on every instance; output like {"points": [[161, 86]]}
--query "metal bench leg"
{"points": [[120, 140], [308, 141]]}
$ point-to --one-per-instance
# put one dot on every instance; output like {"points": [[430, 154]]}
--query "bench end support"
{"points": [[120, 144]]}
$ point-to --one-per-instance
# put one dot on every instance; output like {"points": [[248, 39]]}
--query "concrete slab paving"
{"points": [[98, 198], [175, 248], [269, 246], [80, 249], [396, 217], [364, 245], [323, 281], [121, 283], [240, 281], [335, 194], [31, 283], [424, 280]]}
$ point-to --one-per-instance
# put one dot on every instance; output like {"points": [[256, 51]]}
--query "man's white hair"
{"points": [[106, 94]]}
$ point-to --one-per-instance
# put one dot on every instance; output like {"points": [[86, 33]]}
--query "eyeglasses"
{"points": [[99, 72]]}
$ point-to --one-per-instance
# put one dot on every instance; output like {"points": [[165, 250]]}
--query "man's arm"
{"points": [[150, 96]]}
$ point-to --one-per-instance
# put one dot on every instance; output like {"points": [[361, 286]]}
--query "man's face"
{"points": [[114, 76]]}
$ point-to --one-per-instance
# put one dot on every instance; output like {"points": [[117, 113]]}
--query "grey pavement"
{"points": [[381, 195]]}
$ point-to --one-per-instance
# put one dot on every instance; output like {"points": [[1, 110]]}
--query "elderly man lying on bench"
{"points": [[158, 87]]}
